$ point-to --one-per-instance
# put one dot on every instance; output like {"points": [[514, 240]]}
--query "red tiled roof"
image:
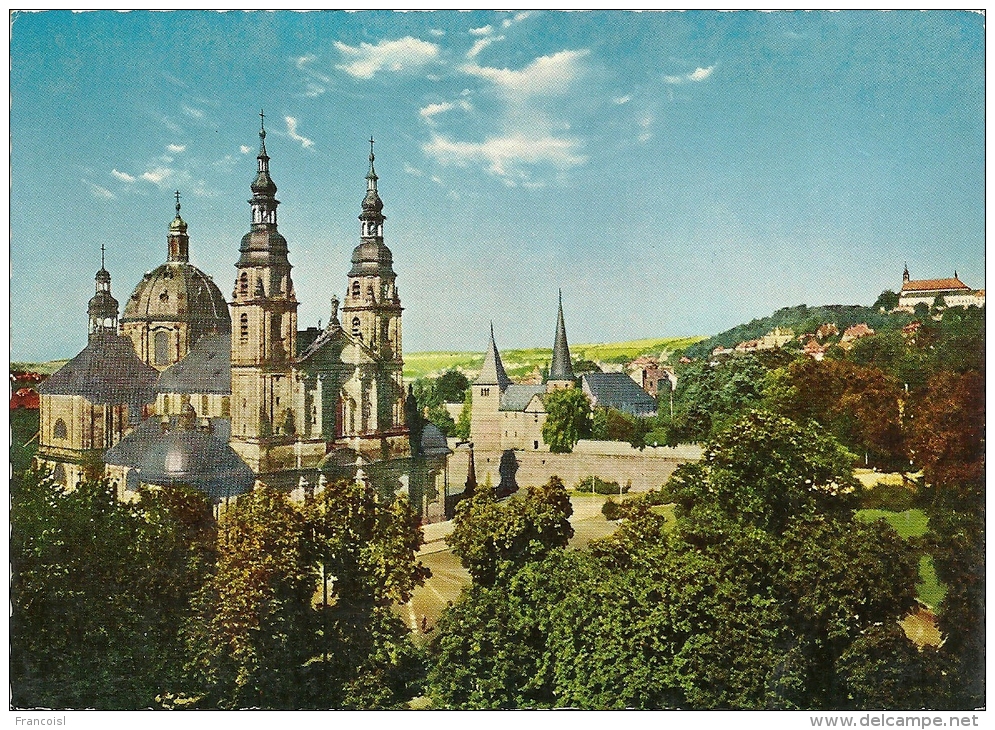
{"points": [[934, 285]]}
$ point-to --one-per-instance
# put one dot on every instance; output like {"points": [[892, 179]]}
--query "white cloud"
{"points": [[486, 30], [546, 74], [481, 44], [400, 55], [622, 99], [506, 155], [645, 123], [411, 170], [190, 111], [438, 33], [699, 74], [316, 81], [176, 148], [157, 174], [99, 192], [245, 149], [123, 176], [519, 17], [292, 133], [428, 112]]}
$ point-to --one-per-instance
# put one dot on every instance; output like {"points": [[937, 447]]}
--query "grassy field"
{"points": [[45, 368], [910, 523], [520, 363]]}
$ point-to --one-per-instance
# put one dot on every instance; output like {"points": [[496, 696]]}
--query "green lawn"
{"points": [[910, 523]]}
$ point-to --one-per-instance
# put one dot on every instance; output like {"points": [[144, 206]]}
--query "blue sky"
{"points": [[674, 173]]}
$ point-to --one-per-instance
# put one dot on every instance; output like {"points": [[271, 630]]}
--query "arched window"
{"points": [[162, 347], [355, 289], [60, 431], [355, 327], [243, 326], [243, 284]]}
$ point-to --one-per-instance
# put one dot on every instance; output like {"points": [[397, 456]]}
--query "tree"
{"points": [[492, 538], [451, 386], [762, 471], [253, 631], [946, 434], [462, 428], [99, 589], [887, 300], [568, 419], [860, 405]]}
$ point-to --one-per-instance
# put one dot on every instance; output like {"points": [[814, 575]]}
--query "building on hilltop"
{"points": [[937, 292], [174, 305]]}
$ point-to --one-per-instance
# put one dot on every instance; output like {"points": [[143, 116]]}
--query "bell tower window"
{"points": [[243, 284], [355, 289], [355, 328], [243, 326], [60, 431]]}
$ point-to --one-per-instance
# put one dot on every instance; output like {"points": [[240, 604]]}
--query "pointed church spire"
{"points": [[492, 372], [905, 274], [178, 240], [560, 368]]}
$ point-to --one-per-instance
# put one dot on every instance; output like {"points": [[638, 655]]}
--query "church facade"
{"points": [[236, 378]]}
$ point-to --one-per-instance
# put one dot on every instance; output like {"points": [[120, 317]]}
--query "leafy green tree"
{"points": [[887, 300], [451, 386], [492, 538], [766, 593], [462, 428], [99, 589], [763, 471], [882, 669], [251, 636], [492, 650], [568, 419]]}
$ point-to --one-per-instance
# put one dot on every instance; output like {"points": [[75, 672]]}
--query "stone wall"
{"points": [[608, 460]]}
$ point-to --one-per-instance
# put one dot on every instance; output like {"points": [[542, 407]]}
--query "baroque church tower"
{"points": [[264, 329], [371, 313]]}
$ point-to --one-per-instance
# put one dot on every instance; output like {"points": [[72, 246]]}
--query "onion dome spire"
{"points": [[179, 241], [372, 216], [905, 274], [560, 368], [102, 308], [264, 200]]}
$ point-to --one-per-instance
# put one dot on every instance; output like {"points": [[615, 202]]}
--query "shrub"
{"points": [[597, 485], [892, 497], [611, 509]]}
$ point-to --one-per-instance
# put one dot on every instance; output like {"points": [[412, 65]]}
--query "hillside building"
{"points": [[937, 292]]}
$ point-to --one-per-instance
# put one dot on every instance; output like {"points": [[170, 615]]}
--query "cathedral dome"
{"points": [[179, 292]]}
